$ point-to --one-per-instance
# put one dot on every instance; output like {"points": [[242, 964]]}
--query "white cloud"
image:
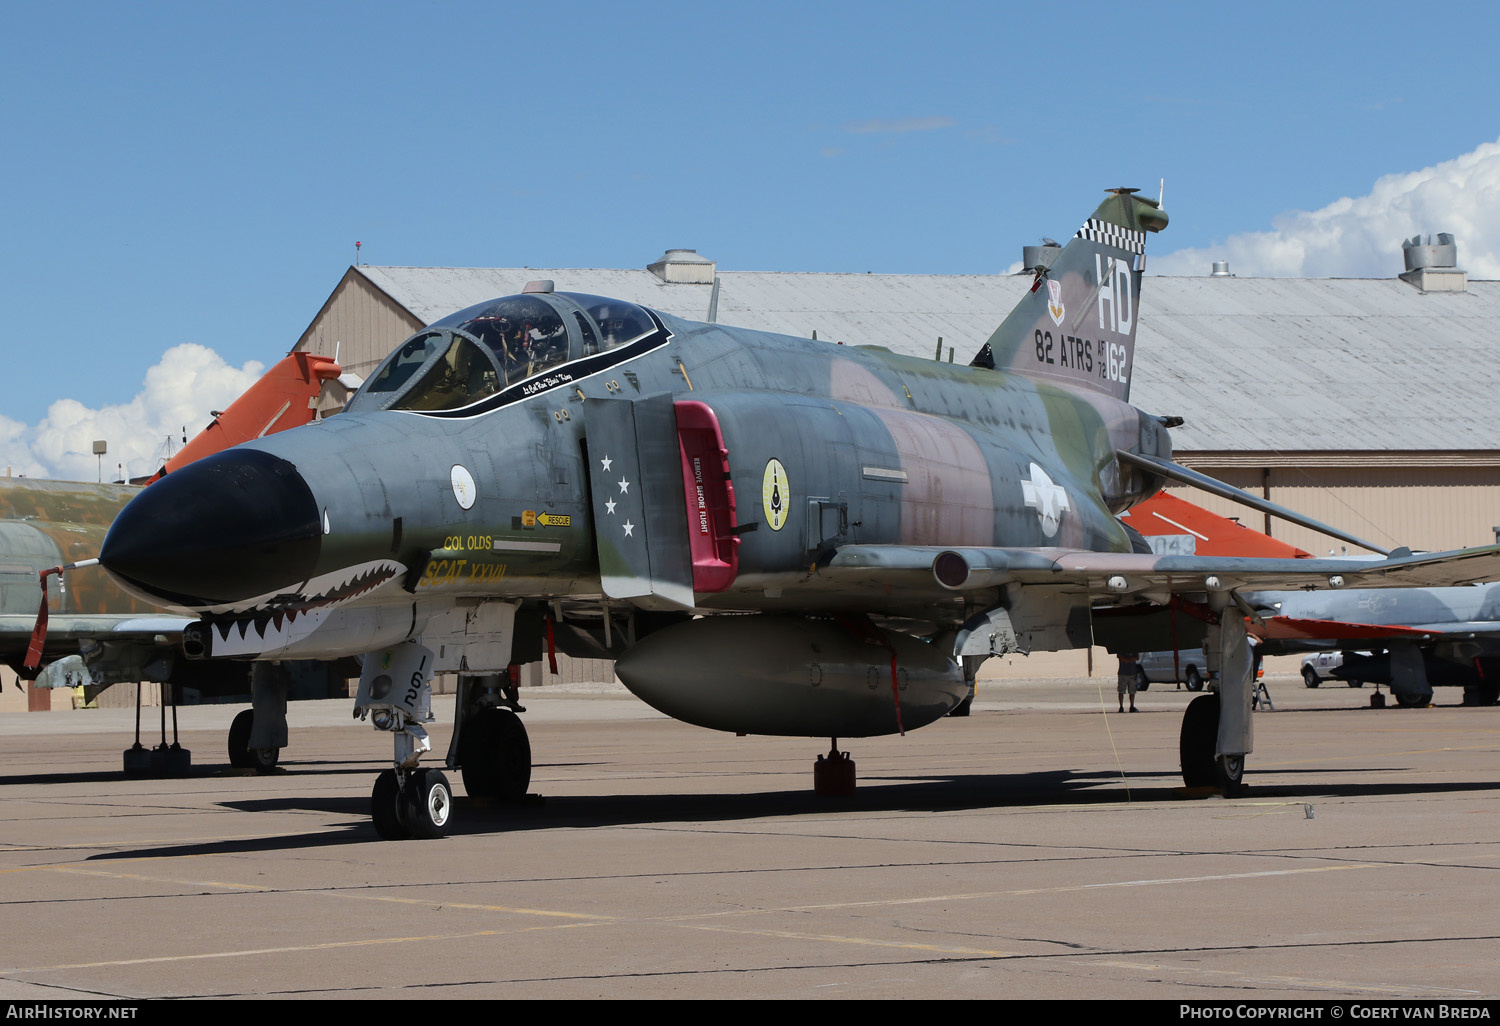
{"points": [[1361, 237], [179, 391]]}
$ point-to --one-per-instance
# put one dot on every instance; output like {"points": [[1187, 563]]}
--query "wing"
{"points": [[66, 632], [1289, 628]]}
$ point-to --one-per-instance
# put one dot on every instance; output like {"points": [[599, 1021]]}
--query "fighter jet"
{"points": [[1421, 637], [1414, 638], [94, 634], [772, 535]]}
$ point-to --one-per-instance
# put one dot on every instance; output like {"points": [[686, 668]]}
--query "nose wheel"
{"points": [[411, 804]]}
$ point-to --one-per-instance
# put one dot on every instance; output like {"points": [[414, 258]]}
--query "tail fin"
{"points": [[1077, 325]]}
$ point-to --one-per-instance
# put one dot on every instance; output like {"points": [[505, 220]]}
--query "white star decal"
{"points": [[1049, 500], [609, 505], [624, 486], [629, 528], [605, 462]]}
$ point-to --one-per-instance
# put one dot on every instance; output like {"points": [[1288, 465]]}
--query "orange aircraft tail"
{"points": [[284, 397]]}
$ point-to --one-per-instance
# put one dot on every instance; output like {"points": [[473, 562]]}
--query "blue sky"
{"points": [[198, 173]]}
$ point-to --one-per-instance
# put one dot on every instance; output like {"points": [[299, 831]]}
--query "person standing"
{"points": [[1130, 671]]}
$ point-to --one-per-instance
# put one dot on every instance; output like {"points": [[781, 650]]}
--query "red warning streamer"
{"points": [[551, 646], [39, 632]]}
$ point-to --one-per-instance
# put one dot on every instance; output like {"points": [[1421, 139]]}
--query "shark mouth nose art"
{"points": [[222, 532]]}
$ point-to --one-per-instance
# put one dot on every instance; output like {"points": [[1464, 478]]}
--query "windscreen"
{"points": [[462, 375]]}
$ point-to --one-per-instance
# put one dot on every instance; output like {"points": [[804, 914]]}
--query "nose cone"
{"points": [[234, 526]]}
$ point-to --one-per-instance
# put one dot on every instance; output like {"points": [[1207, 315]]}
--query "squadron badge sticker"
{"points": [[775, 494], [1055, 308]]}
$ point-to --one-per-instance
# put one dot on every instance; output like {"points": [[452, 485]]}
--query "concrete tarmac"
{"points": [[1040, 848]]}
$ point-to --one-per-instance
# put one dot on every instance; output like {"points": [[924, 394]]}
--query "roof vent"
{"points": [[1432, 266], [1420, 254], [1034, 257], [683, 267], [1221, 269]]}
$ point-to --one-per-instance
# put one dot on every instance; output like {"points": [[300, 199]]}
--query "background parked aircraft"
{"points": [[96, 634]]}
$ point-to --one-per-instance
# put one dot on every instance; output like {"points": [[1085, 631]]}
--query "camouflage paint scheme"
{"points": [[974, 506], [45, 524]]}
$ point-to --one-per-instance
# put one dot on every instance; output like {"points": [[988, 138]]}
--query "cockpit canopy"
{"points": [[498, 345]]}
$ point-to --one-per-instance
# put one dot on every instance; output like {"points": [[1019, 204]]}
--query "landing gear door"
{"points": [[635, 474]]}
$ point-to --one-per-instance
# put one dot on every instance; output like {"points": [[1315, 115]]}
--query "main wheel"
{"points": [[1407, 701], [1355, 683], [241, 755], [1481, 694], [961, 709], [494, 755], [1194, 682], [386, 808], [1196, 746], [1229, 773], [428, 802], [1142, 682], [1198, 739]]}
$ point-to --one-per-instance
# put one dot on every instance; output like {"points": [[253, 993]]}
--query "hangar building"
{"points": [[1362, 402]]}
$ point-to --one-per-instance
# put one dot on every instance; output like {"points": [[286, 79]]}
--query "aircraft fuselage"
{"points": [[523, 492]]}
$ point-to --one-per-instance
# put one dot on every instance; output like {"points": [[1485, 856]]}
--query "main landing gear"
{"points": [[241, 755], [494, 755], [490, 747], [1216, 727], [1197, 746]]}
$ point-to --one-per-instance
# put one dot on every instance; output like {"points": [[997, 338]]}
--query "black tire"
{"points": [[1196, 746], [239, 738], [1406, 701], [241, 755], [1310, 677], [494, 755], [1356, 683], [385, 808], [1198, 739], [1229, 773], [1142, 682], [961, 709], [1194, 682], [428, 803]]}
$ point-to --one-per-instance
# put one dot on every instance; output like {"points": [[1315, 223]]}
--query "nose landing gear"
{"points": [[394, 692]]}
